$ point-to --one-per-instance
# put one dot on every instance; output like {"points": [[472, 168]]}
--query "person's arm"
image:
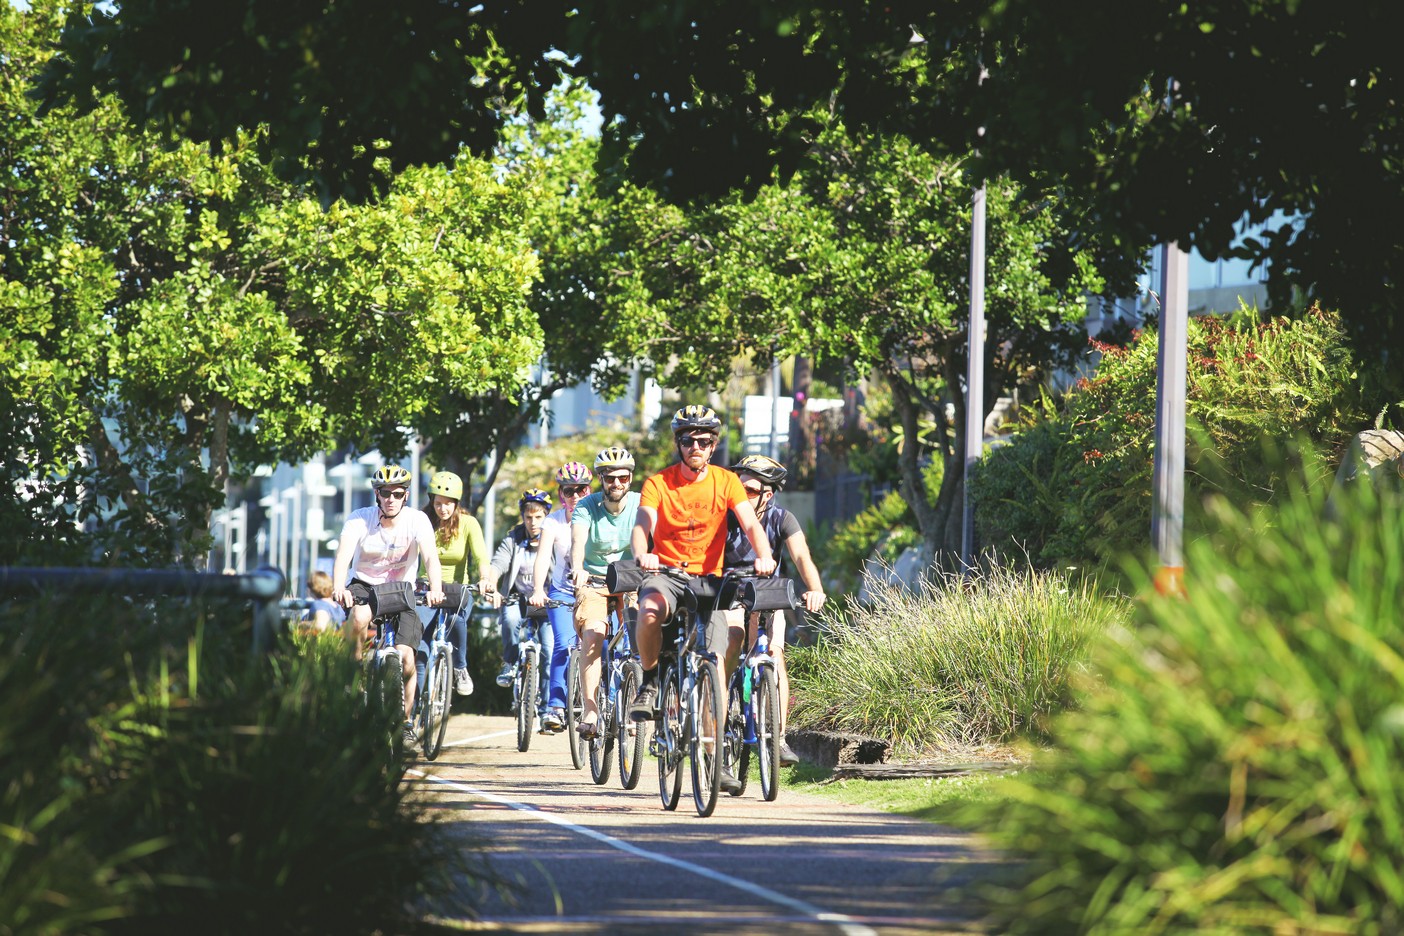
{"points": [[346, 546], [579, 533], [798, 548], [541, 568], [477, 553], [642, 535], [429, 555], [746, 516]]}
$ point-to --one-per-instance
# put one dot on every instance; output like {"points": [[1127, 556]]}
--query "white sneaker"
{"points": [[462, 682]]}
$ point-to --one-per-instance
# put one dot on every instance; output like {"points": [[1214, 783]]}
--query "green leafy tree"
{"points": [[1162, 121], [176, 312]]}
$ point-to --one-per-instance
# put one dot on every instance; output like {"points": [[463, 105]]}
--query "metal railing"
{"points": [[262, 589]]}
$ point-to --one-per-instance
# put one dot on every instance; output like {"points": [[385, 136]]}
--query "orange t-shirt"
{"points": [[690, 515]]}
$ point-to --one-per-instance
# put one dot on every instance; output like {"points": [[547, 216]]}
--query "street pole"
{"points": [[974, 379], [1168, 510], [774, 449]]}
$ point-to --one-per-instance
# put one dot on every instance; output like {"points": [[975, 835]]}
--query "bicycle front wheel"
{"points": [[437, 702], [668, 736], [706, 745], [575, 707], [602, 744], [388, 693], [526, 699], [632, 735], [766, 699]]}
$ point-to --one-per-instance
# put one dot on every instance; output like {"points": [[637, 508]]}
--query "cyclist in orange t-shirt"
{"points": [[682, 509]]}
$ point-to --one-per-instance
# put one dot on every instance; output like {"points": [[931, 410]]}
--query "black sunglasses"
{"points": [[697, 441], [573, 490]]}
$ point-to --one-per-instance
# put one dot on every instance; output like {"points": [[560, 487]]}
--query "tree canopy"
{"points": [[1173, 122]]}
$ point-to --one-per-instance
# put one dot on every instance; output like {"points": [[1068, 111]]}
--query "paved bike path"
{"points": [[600, 859]]}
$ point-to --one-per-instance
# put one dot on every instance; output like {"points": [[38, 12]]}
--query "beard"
{"points": [[612, 498]]}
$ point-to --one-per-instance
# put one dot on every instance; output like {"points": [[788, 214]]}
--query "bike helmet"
{"points": [[573, 473], [696, 416], [764, 467], [534, 496], [614, 457], [387, 475], [446, 484]]}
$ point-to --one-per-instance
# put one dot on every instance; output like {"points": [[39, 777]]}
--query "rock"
{"points": [[832, 748]]}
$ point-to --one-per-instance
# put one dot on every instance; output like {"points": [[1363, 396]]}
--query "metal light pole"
{"points": [[774, 447], [1168, 514], [974, 378]]}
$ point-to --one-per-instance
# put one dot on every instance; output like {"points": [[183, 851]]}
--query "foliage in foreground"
{"points": [[1074, 488], [155, 778], [954, 664], [1236, 768]]}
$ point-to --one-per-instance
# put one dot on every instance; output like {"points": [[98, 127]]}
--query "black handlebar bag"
{"points": [[768, 594], [624, 576], [390, 598]]}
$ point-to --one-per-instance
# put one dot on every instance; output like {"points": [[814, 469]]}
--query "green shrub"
{"points": [[954, 664], [157, 778], [882, 530], [1075, 487], [1236, 768]]}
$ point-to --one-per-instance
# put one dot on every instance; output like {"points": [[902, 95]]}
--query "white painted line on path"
{"points": [[495, 734], [846, 924]]}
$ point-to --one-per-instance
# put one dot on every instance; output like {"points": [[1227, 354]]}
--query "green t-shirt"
{"points": [[462, 557], [607, 535]]}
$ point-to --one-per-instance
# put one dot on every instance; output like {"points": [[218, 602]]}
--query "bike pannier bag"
{"points": [[455, 597], [768, 594], [626, 575], [391, 598]]}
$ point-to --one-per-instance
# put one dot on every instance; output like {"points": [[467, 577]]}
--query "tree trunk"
{"points": [[802, 456]]}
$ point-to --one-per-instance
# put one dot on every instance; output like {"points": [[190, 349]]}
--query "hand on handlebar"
{"points": [[649, 562], [537, 599], [342, 596], [488, 592], [813, 601], [765, 566], [434, 597], [580, 578]]}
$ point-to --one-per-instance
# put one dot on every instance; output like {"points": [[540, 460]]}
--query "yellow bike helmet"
{"points": [[446, 484]]}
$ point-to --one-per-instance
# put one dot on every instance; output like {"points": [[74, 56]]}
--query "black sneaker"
{"points": [[644, 704], [411, 737], [729, 783]]}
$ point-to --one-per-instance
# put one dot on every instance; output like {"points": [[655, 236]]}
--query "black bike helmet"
{"points": [[764, 467], [696, 416]]}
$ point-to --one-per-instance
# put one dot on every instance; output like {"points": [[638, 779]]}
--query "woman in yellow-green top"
{"points": [[464, 558]]}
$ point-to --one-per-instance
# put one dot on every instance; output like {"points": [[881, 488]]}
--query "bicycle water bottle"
{"points": [[746, 685]]}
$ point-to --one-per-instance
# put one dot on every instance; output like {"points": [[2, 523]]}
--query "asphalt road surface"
{"points": [[599, 859]]}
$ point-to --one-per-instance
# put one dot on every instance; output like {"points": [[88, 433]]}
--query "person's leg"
{"points": [[507, 620], [458, 638], [408, 634], [590, 612], [563, 638], [776, 636], [355, 630], [648, 632]]}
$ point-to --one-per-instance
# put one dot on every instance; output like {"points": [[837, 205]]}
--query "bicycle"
{"points": [[753, 692], [689, 706], [527, 675], [619, 677], [436, 688], [383, 679]]}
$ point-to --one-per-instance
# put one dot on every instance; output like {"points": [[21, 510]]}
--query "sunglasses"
{"points": [[702, 442], [754, 492], [574, 490], [397, 494], [617, 479]]}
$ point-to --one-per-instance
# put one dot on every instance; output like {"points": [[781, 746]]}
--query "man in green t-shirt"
{"points": [[600, 531]]}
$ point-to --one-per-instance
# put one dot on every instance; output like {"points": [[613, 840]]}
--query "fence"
{"points": [[261, 589]]}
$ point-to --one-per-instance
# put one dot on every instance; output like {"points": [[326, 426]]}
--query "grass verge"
{"points": [[942, 800]]}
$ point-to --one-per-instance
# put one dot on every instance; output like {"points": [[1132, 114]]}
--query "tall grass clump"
{"points": [[954, 664], [1235, 768], [157, 778]]}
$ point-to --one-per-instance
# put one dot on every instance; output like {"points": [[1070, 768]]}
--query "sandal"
{"points": [[588, 731]]}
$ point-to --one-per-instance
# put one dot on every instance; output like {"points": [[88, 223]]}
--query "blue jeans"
{"points": [[556, 643], [457, 632]]}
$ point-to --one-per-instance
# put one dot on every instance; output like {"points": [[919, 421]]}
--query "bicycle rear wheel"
{"points": [[602, 744], [437, 700], [707, 743], [668, 736], [575, 706], [766, 698], [632, 735], [738, 752], [526, 699]]}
